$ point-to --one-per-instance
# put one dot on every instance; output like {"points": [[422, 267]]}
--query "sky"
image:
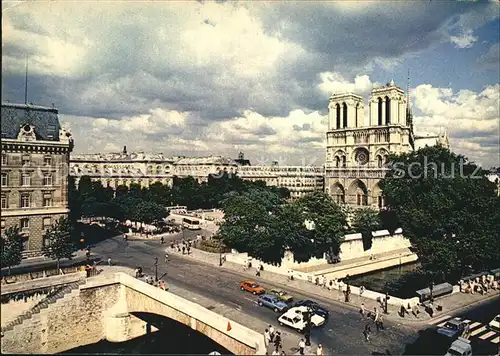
{"points": [[199, 78]]}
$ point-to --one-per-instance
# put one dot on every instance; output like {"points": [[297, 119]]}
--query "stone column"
{"points": [[384, 122]]}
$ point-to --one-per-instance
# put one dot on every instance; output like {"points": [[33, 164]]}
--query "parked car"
{"points": [[494, 325], [282, 295], [294, 318], [273, 302], [252, 287], [460, 347], [453, 328], [316, 308]]}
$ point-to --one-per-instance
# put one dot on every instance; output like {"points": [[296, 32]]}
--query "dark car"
{"points": [[318, 309], [453, 328]]}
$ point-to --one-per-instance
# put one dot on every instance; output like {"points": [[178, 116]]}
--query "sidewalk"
{"points": [[450, 303]]}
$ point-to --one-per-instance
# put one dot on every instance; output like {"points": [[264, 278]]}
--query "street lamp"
{"points": [[156, 269]]}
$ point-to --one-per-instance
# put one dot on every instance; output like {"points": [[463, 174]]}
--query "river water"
{"points": [[377, 280]]}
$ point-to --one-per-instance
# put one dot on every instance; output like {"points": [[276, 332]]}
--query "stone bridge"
{"points": [[111, 308]]}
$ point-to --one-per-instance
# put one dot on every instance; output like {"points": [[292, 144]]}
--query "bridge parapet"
{"points": [[142, 297]]}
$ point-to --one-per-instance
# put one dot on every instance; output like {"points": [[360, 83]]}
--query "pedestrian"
{"points": [[302, 346], [330, 285], [361, 290], [257, 272], [415, 310], [362, 309], [136, 272], [109, 261], [366, 332], [402, 311], [430, 308], [183, 250], [380, 322], [166, 257], [319, 350], [189, 250], [267, 338], [271, 333], [324, 281], [277, 340], [162, 240]]}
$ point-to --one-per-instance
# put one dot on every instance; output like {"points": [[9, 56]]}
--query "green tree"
{"points": [[60, 243], [364, 221], [329, 222], [12, 247], [448, 209]]}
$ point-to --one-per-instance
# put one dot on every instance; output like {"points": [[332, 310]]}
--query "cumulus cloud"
{"points": [[472, 119], [212, 77], [465, 40]]}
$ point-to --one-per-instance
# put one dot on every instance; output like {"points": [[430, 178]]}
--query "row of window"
{"points": [[26, 160], [361, 199], [25, 200], [25, 180], [24, 224]]}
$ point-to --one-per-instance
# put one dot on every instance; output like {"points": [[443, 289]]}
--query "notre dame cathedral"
{"points": [[357, 149]]}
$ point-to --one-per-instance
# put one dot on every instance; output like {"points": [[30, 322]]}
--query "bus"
{"points": [[178, 209], [191, 224]]}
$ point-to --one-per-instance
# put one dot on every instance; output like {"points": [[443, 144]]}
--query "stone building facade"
{"points": [[297, 179], [124, 168], [357, 147], [35, 168]]}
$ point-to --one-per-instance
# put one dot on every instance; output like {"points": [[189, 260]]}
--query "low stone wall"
{"points": [[40, 283]]}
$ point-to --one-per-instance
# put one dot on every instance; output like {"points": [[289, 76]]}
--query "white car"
{"points": [[294, 318], [495, 324]]}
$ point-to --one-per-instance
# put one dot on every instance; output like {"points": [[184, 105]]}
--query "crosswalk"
{"points": [[477, 329]]}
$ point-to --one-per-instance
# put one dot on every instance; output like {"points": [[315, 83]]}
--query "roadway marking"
{"points": [[473, 325], [250, 300], [237, 305], [180, 275], [496, 340], [478, 331], [487, 335], [446, 317]]}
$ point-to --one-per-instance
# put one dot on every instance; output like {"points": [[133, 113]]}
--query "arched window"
{"points": [[344, 110], [387, 110], [337, 161], [338, 115], [356, 116], [380, 161], [380, 103], [380, 201]]}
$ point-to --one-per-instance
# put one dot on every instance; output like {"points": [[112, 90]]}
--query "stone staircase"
{"points": [[51, 298]]}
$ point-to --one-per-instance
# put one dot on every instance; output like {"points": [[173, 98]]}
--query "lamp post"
{"points": [[156, 269]]}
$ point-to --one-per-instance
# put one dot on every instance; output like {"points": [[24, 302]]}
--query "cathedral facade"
{"points": [[357, 148]]}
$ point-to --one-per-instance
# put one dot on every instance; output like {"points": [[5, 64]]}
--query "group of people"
{"points": [[273, 337], [481, 285], [375, 316], [185, 246], [150, 280]]}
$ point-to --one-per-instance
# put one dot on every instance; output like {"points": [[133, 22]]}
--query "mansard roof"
{"points": [[45, 121]]}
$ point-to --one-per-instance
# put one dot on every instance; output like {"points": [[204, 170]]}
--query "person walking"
{"points": [[362, 310], [367, 331], [162, 240], [415, 310], [166, 257], [380, 322], [109, 261], [271, 333], [267, 338], [377, 320], [302, 346], [277, 340], [319, 350]]}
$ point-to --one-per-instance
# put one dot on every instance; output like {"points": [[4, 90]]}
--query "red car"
{"points": [[252, 287]]}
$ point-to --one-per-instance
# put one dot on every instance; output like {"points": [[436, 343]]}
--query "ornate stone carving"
{"points": [[27, 133]]}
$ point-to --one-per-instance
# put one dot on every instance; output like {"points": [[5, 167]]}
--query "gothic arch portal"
{"points": [[377, 196], [357, 194], [338, 193]]}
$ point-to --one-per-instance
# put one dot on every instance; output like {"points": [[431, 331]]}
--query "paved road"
{"points": [[341, 335], [483, 341]]}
